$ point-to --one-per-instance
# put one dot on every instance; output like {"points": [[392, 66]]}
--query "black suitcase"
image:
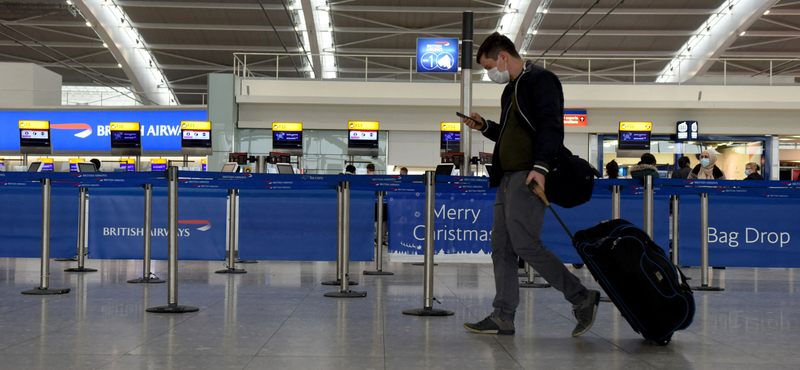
{"points": [[649, 291]]}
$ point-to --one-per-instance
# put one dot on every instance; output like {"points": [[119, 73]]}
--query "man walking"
{"points": [[528, 137]]}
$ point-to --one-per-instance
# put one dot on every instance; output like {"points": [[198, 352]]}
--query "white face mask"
{"points": [[497, 76]]}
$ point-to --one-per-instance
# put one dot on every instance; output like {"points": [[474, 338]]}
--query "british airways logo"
{"points": [[86, 129]]}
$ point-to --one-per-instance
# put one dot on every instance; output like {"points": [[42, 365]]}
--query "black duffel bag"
{"points": [[571, 181]]}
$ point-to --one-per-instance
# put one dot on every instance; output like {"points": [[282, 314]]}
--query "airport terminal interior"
{"points": [[285, 184]]}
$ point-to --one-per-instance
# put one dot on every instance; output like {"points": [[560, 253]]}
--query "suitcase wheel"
{"points": [[577, 265]]}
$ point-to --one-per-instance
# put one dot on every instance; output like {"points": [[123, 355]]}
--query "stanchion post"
{"points": [[648, 205], [427, 284], [616, 202], [339, 235], [344, 289], [172, 287], [379, 238], [83, 217], [44, 276], [147, 275], [675, 200], [233, 214], [704, 246], [531, 275]]}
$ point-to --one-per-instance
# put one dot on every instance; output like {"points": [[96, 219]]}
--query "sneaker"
{"points": [[491, 325], [585, 313]]}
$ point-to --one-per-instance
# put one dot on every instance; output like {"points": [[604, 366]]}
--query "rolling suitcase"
{"points": [[649, 291]]}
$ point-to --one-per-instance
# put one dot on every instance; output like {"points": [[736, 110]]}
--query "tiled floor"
{"points": [[275, 317]]}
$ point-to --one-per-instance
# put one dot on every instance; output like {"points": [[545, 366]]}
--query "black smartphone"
{"points": [[462, 115]]}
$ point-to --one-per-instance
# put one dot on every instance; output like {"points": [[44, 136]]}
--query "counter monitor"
{"points": [[34, 137], [196, 137]]}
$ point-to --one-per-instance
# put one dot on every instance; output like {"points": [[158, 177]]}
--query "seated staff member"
{"points": [[707, 169], [751, 171]]}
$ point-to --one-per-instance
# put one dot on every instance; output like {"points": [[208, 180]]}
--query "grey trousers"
{"points": [[518, 219]]}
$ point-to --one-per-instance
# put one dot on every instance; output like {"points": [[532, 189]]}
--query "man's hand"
{"points": [[535, 176], [472, 124]]}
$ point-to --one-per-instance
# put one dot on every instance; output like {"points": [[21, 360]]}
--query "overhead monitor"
{"points": [[126, 139], [35, 167], [85, 167], [73, 164], [450, 137], [362, 138], [230, 167], [634, 139], [158, 164], [285, 168], [34, 137], [287, 137], [196, 138]]}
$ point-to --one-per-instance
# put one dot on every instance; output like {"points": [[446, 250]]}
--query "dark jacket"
{"points": [[540, 101], [682, 173], [641, 170], [754, 176]]}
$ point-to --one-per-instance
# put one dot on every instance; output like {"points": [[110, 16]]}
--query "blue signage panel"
{"points": [[24, 238], [687, 130], [435, 55], [88, 131]]}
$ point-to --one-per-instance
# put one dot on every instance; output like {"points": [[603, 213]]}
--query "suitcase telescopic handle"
{"points": [[539, 192]]}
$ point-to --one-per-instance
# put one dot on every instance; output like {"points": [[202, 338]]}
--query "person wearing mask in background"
{"points": [[403, 171], [370, 169], [350, 170], [612, 170], [751, 171], [527, 139], [683, 168], [707, 169], [96, 164], [647, 166]]}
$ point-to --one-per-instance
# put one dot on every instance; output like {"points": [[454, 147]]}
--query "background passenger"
{"points": [[403, 171], [350, 170], [646, 167], [370, 169], [751, 171], [612, 170], [707, 169], [683, 168], [96, 164]]}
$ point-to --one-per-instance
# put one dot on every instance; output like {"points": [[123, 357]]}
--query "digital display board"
{"points": [[204, 163], [634, 137], [437, 55], [128, 165], [125, 138], [288, 137], [47, 164], [451, 137], [34, 136], [158, 164], [196, 137], [362, 138], [73, 164], [75, 132]]}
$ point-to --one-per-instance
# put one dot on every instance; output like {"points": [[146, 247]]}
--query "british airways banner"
{"points": [[116, 220], [463, 225], [742, 231], [88, 131]]}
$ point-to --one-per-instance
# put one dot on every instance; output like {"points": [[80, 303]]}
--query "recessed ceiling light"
{"points": [[767, 12], [742, 34]]}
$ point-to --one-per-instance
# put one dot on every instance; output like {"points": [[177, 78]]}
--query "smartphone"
{"points": [[462, 115]]}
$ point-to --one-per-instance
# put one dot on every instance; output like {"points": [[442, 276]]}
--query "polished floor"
{"points": [[276, 317]]}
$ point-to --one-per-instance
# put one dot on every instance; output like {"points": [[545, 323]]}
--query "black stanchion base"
{"points": [[526, 284], [172, 308], [427, 311], [346, 294], [718, 267], [605, 299], [422, 264], [65, 259], [143, 280], [46, 291], [80, 269], [337, 282], [378, 273], [231, 271], [246, 261], [708, 288]]}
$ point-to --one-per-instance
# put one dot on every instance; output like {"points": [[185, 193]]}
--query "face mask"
{"points": [[499, 77], [704, 162], [747, 172]]}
